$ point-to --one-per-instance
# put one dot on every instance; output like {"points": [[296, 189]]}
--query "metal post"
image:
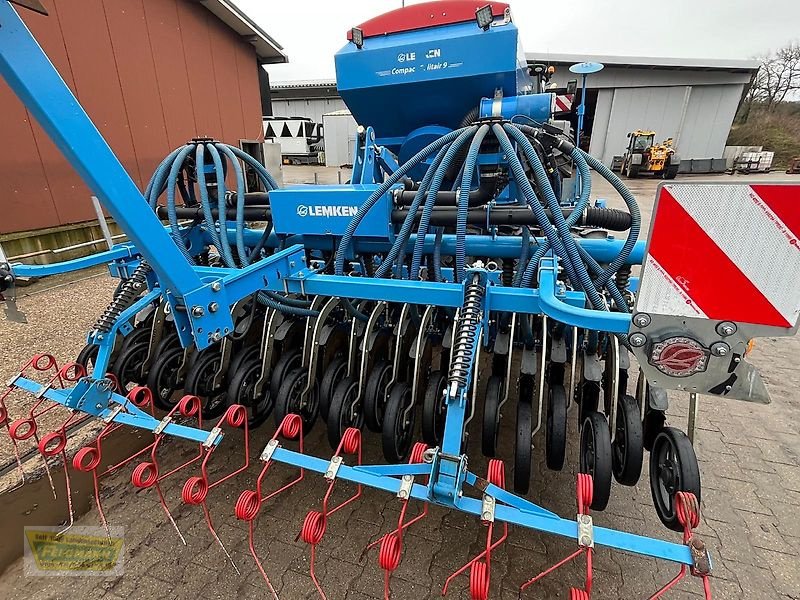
{"points": [[339, 176], [101, 219], [690, 429], [316, 178], [581, 111]]}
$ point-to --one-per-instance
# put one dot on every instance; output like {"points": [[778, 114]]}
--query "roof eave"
{"points": [[268, 50]]}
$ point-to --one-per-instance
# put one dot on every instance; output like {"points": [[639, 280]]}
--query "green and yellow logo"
{"points": [[80, 553]]}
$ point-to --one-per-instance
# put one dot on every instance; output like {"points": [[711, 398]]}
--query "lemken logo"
{"points": [[326, 211]]}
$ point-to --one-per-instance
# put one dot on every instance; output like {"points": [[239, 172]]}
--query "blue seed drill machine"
{"points": [[462, 272]]}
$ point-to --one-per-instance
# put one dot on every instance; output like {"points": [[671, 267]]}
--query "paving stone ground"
{"points": [[750, 463]]}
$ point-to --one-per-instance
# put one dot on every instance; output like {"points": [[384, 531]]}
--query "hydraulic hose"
{"points": [[433, 194], [347, 238], [570, 246], [208, 216], [219, 170], [244, 258], [463, 201]]}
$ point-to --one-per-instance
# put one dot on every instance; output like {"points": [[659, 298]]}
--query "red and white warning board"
{"points": [[725, 252], [563, 103]]}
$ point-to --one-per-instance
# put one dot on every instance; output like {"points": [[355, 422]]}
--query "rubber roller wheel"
{"points": [[241, 390], [434, 409], [652, 420], [375, 395], [87, 356], [627, 451], [290, 399], [555, 447], [673, 469], [286, 363], [335, 372], [523, 447], [200, 383], [588, 399], [163, 379], [596, 457], [491, 416], [128, 364], [344, 411], [239, 358], [398, 424]]}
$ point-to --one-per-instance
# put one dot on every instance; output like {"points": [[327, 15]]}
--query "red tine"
{"points": [[391, 544], [249, 502], [196, 488], [316, 521], [584, 493], [480, 566]]}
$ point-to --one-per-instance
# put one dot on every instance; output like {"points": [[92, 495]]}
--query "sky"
{"points": [[311, 31]]}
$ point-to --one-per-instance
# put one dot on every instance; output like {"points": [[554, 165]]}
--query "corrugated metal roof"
{"points": [[647, 62], [267, 49]]}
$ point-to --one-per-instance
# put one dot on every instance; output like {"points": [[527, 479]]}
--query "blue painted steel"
{"points": [[403, 81], [559, 310], [68, 266], [534, 106], [510, 508], [132, 416], [326, 210]]}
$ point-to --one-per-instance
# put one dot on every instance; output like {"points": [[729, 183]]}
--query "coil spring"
{"points": [[623, 277], [464, 344], [123, 298], [508, 272]]}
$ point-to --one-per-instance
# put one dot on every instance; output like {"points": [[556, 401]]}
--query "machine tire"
{"points": [[673, 469], [240, 391], [631, 171], [283, 366], [199, 381], [240, 357], [335, 372], [491, 416], [522, 447], [163, 378], [434, 409], [288, 399], [398, 434], [627, 451], [555, 448], [595, 457], [87, 356], [339, 419], [127, 366], [375, 395]]}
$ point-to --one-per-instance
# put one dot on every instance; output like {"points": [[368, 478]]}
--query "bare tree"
{"points": [[778, 77]]}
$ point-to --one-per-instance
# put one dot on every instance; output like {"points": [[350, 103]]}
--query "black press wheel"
{"points": [[241, 390], [588, 399], [87, 356], [127, 366], [335, 372], [596, 457], [491, 416], [200, 383], [163, 378], [398, 424], [344, 411], [290, 399], [523, 448], [673, 469], [555, 447], [627, 451], [239, 358], [434, 409], [287, 363], [375, 395]]}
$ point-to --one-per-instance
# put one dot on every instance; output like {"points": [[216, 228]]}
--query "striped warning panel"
{"points": [[725, 252], [563, 103]]}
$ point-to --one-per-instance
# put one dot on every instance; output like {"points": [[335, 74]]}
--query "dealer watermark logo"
{"points": [[79, 552], [321, 210]]}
